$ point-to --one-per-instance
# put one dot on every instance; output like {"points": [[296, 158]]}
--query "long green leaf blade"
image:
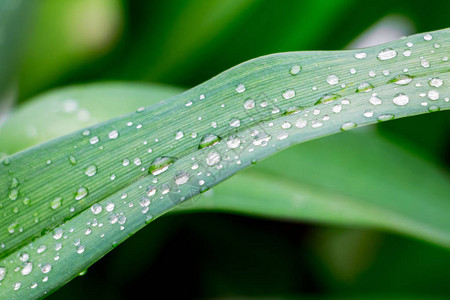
{"points": [[100, 176]]}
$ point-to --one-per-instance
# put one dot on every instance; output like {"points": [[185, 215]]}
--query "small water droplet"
{"points": [[424, 63], [235, 122], [161, 164], [91, 170], [233, 142], [387, 53], [72, 160], [385, 117], [240, 88], [17, 285], [179, 134], [181, 177], [57, 233], [360, 55], [81, 193], [113, 134], [434, 108], [56, 202], [375, 100], [46, 268], [13, 194], [295, 69], [94, 140], [400, 99], [288, 94], [2, 273], [96, 208], [364, 87], [332, 79], [249, 103], [427, 37], [212, 158]]}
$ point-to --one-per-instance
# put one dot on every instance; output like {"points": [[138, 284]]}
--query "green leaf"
{"points": [[339, 191], [82, 194]]}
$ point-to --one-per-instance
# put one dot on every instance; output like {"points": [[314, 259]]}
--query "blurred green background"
{"points": [[184, 43]]}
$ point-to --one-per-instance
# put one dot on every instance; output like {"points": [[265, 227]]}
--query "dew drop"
{"points": [[2, 273], [240, 88], [288, 94], [233, 142], [385, 117], [181, 177], [161, 164], [91, 170], [364, 87], [96, 208], [327, 98], [332, 79], [28, 267], [72, 160], [235, 122], [434, 108], [249, 104], [300, 123], [386, 54], [402, 79], [433, 95], [427, 37], [56, 202], [424, 63], [208, 140], [94, 140], [375, 100], [212, 158], [113, 134], [435, 82], [400, 99], [295, 69], [46, 268], [81, 193], [179, 134]]}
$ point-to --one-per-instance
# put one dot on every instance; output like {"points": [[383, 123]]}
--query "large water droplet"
{"points": [[249, 103], [81, 193], [212, 158], [240, 88], [235, 122], [161, 164], [386, 54], [208, 140], [289, 94], [233, 142], [400, 99], [96, 208], [433, 95], [91, 170], [364, 87], [28, 267], [113, 134], [435, 82], [56, 202], [332, 79], [295, 69], [327, 98], [402, 79], [181, 177]]}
